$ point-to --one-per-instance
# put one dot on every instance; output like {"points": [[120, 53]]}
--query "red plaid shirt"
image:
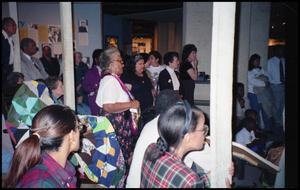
{"points": [[49, 174], [170, 171]]}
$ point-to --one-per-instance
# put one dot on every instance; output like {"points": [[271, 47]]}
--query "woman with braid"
{"points": [[181, 130], [41, 160]]}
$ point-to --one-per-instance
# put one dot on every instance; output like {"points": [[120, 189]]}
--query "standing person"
{"points": [[31, 67], [51, 64], [80, 70], [189, 72], [154, 69], [258, 92], [91, 81], [169, 77], [9, 28], [276, 71], [140, 83], [116, 102], [41, 160]]}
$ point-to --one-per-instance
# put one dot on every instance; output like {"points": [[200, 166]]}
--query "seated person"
{"points": [[40, 161], [56, 88], [249, 137]]}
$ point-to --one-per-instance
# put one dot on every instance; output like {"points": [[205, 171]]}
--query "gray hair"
{"points": [[105, 57]]}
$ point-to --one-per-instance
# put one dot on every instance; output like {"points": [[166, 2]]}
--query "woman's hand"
{"points": [[231, 173], [134, 104]]}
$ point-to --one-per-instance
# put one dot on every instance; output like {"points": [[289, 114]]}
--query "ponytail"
{"points": [[159, 150], [26, 156]]}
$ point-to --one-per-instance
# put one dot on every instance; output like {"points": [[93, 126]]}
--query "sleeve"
{"points": [[163, 80], [109, 92], [254, 81], [87, 83]]}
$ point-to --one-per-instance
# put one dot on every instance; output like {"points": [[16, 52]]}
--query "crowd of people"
{"points": [[166, 149]]}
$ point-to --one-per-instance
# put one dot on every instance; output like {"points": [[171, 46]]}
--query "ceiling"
{"points": [[125, 8]]}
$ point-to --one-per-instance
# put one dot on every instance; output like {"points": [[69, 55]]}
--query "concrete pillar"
{"points": [[197, 27], [67, 40], [221, 90], [253, 36], [13, 13]]}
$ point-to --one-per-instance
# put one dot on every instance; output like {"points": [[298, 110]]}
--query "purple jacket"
{"points": [[91, 84]]}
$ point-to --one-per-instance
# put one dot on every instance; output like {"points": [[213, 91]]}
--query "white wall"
{"points": [[197, 29], [47, 13], [253, 36]]}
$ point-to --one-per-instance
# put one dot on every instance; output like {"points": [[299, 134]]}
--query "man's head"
{"points": [[28, 46], [46, 51], [9, 26], [165, 99]]}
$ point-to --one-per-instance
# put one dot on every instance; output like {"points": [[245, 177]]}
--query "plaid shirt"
{"points": [[49, 174], [170, 171]]}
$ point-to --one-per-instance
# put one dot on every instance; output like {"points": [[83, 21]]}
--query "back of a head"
{"points": [[173, 124], [50, 125], [165, 99], [187, 49], [96, 54]]}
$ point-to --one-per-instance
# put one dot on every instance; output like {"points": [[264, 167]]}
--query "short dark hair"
{"points": [[6, 21], [164, 100], [51, 82], [187, 49], [25, 43], [133, 61], [251, 61], [157, 55], [169, 56], [96, 54]]}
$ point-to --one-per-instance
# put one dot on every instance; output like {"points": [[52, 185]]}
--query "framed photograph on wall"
{"points": [[111, 41]]}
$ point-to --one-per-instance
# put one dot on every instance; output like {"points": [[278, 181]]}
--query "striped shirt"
{"points": [[49, 174], [169, 171]]}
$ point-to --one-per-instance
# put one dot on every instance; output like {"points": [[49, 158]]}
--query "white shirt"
{"points": [[240, 112], [10, 41], [174, 78], [244, 137], [273, 69], [154, 71], [110, 91], [253, 81], [150, 135]]}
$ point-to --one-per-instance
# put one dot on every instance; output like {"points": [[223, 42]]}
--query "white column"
{"points": [[13, 13], [67, 39], [221, 90]]}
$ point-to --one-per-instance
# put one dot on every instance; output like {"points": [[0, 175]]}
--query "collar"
{"points": [[26, 55], [170, 69], [5, 34], [65, 175]]}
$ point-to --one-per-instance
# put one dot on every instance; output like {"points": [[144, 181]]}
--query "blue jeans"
{"points": [[255, 105], [279, 102]]}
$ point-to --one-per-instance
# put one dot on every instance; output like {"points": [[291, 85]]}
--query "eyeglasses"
{"points": [[205, 130], [118, 60]]}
